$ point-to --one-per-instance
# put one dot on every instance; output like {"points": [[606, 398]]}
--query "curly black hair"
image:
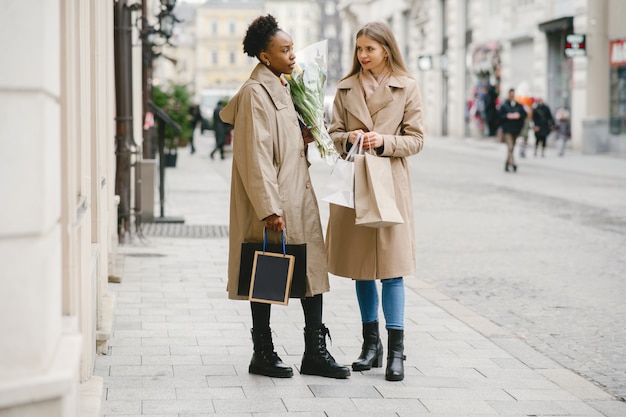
{"points": [[259, 34]]}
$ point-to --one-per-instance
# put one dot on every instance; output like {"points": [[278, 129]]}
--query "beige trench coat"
{"points": [[394, 111], [270, 175]]}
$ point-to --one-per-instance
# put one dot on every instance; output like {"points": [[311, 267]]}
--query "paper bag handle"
{"points": [[282, 238], [358, 143]]}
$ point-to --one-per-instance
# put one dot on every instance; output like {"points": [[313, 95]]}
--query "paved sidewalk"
{"points": [[180, 348]]}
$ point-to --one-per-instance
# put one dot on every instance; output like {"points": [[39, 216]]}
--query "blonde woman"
{"points": [[381, 101]]}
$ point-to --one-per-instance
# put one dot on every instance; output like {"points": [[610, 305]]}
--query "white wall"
{"points": [[56, 133]]}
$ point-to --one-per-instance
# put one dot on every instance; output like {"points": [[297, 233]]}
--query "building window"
{"points": [[233, 58], [214, 27], [214, 57], [232, 27]]}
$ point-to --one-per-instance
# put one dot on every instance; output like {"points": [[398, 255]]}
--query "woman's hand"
{"points": [[307, 136], [373, 140], [354, 134], [275, 223]]}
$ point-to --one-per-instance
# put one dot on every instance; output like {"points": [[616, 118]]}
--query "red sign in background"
{"points": [[617, 53]]}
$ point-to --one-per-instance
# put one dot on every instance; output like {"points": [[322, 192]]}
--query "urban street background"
{"points": [[539, 252]]}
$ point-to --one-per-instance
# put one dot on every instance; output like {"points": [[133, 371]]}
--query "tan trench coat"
{"points": [[394, 111], [270, 175]]}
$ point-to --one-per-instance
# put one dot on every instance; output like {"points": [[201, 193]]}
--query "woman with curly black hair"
{"points": [[271, 189]]}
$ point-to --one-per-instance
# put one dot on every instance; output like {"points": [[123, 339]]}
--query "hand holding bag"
{"points": [[339, 189], [374, 195]]}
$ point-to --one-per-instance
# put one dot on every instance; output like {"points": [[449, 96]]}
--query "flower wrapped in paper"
{"points": [[307, 84]]}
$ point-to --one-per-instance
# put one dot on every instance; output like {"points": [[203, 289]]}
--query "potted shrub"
{"points": [[175, 100]]}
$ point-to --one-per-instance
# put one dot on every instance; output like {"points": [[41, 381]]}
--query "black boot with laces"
{"points": [[316, 359], [264, 360]]}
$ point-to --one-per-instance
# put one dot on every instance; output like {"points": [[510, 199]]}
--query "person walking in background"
{"points": [[194, 119], [221, 129], [271, 189], [381, 101], [544, 124], [491, 110], [512, 115], [523, 134], [563, 128]]}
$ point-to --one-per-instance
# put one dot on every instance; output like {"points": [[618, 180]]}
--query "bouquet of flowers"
{"points": [[307, 83]]}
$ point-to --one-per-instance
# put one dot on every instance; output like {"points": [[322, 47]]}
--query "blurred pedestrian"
{"points": [[563, 128], [194, 119], [220, 128], [522, 137], [271, 189], [381, 101], [512, 115], [491, 111], [544, 124]]}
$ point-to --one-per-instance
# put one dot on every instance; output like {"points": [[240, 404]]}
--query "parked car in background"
{"points": [[208, 101]]}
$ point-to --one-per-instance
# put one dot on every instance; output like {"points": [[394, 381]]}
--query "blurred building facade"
{"points": [[453, 47], [177, 60], [220, 29], [220, 62], [207, 50]]}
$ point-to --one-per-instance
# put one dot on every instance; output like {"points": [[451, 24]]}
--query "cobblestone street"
{"points": [[540, 252]]}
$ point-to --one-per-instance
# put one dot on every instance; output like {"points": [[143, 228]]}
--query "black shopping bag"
{"points": [[271, 277], [298, 280]]}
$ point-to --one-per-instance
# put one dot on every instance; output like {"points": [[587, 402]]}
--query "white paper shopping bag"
{"points": [[339, 189]]}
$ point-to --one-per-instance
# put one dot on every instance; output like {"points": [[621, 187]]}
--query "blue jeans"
{"points": [[393, 301]]}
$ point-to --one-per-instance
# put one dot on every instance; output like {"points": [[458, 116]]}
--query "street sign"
{"points": [[617, 53], [575, 45]]}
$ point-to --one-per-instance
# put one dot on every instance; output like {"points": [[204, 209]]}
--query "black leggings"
{"points": [[311, 306], [540, 139]]}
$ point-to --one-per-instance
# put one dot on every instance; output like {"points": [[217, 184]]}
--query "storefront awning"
{"points": [[557, 25]]}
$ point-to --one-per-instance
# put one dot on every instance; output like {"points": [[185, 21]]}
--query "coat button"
{"points": [[308, 184], [301, 154]]}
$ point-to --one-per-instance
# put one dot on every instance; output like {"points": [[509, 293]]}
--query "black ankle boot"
{"points": [[316, 359], [264, 360], [372, 349], [395, 355]]}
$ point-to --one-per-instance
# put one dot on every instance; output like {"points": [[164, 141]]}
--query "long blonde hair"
{"points": [[381, 33]]}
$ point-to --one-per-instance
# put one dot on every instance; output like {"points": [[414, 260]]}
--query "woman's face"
{"points": [[371, 54], [279, 54]]}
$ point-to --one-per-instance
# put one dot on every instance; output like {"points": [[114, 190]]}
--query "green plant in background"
{"points": [[175, 100]]}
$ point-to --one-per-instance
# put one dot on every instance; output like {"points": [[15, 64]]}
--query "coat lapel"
{"points": [[278, 92], [355, 102]]}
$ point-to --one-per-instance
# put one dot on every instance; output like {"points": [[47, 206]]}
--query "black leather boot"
{"points": [[372, 349], [395, 355], [316, 359], [264, 360]]}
